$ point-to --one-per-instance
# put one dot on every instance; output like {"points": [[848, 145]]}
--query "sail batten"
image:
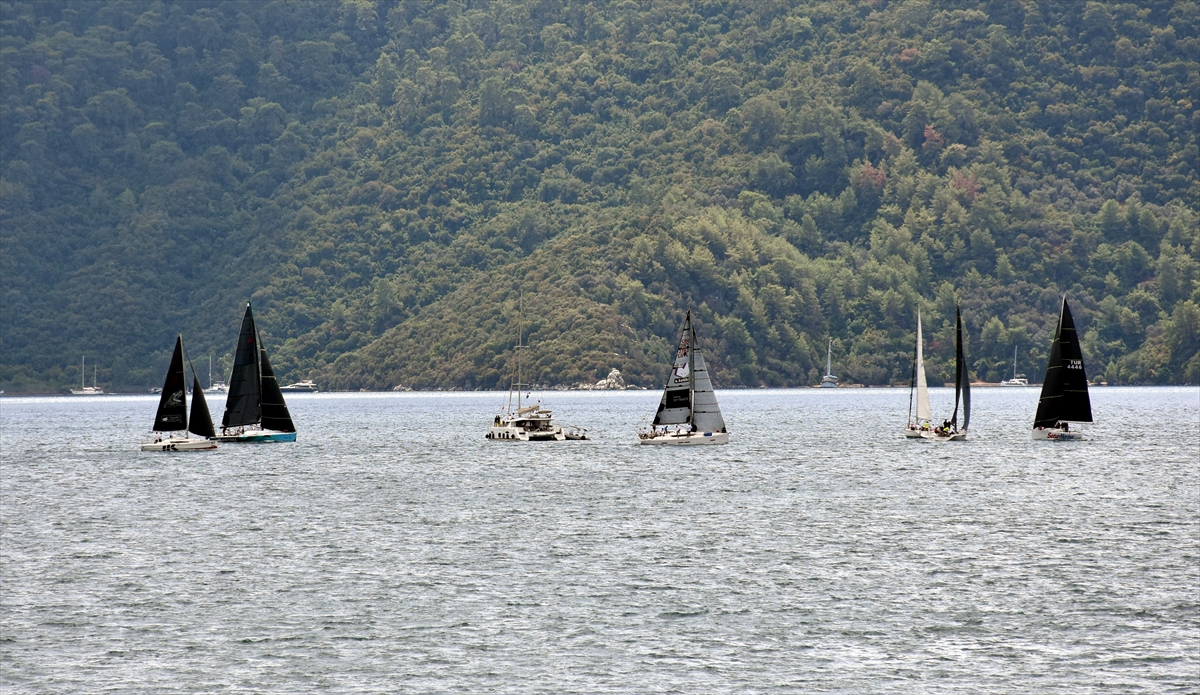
{"points": [[172, 405], [1064, 396]]}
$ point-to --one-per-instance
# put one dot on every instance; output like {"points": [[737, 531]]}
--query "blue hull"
{"points": [[255, 437]]}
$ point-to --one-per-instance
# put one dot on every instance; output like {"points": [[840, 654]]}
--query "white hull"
{"points": [[1054, 434], [518, 434], [87, 391], [933, 435], [683, 438], [180, 444], [1015, 382]]}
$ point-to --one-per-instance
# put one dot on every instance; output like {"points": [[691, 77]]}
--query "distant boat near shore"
{"points": [[306, 386], [84, 389]]}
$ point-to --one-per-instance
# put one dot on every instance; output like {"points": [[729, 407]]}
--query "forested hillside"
{"points": [[385, 180]]}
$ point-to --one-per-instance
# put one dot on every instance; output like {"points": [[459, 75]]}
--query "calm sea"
{"points": [[393, 549]]}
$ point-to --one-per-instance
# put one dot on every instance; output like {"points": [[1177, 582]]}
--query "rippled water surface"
{"points": [[393, 549]]}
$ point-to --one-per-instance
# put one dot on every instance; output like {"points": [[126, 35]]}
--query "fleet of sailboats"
{"points": [[255, 410], [1064, 396], [172, 414], [688, 412]]}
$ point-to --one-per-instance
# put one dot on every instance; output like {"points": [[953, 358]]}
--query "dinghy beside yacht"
{"points": [[688, 413]]}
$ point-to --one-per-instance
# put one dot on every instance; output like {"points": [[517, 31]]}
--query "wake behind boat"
{"points": [[255, 410], [172, 415], [921, 427], [688, 412], [1064, 397]]}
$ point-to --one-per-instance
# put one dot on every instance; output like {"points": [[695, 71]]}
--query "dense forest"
{"points": [[389, 182]]}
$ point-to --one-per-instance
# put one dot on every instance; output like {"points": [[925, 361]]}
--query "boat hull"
{"points": [[180, 444], [684, 438], [257, 437], [1054, 434], [516, 434], [934, 436]]}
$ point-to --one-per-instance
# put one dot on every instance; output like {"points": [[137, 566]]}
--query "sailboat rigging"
{"points": [[172, 414], [1018, 379], [254, 410], [531, 423], [921, 427], [84, 389], [688, 412], [829, 381], [1064, 397]]}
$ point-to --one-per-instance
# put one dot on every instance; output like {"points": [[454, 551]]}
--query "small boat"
{"points": [[829, 381], [215, 387], [948, 431], [1064, 397], [306, 386], [530, 423], [84, 389], [254, 410], [1018, 379], [688, 412], [172, 415]]}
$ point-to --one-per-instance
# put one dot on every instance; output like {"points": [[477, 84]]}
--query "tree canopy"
{"points": [[386, 180]]}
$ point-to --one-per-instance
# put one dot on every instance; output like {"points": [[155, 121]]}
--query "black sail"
{"points": [[960, 372], [172, 405], [275, 415], [202, 423], [1064, 390], [243, 405]]}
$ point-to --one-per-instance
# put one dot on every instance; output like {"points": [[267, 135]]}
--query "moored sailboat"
{"points": [[255, 410], [172, 415], [688, 412], [949, 430], [84, 389], [829, 381], [527, 423], [1018, 379], [1064, 397]]}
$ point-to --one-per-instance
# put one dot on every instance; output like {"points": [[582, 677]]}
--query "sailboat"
{"points": [[688, 412], [829, 381], [84, 389], [255, 410], [172, 415], [1018, 379], [527, 423], [949, 430], [918, 391], [215, 386], [1064, 396]]}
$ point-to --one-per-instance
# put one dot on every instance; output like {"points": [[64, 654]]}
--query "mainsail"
{"points": [[688, 396], [172, 405], [275, 415], [243, 406], [922, 387], [962, 382], [1064, 390]]}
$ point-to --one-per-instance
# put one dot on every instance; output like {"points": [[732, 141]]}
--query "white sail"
{"points": [[706, 414], [923, 413]]}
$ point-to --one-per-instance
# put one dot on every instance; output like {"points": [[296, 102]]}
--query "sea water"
{"points": [[392, 548]]}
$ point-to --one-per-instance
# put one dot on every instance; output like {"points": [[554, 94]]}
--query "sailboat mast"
{"points": [[1014, 363], [829, 358], [691, 373], [83, 373]]}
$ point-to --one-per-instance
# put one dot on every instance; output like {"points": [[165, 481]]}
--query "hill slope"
{"points": [[386, 179]]}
